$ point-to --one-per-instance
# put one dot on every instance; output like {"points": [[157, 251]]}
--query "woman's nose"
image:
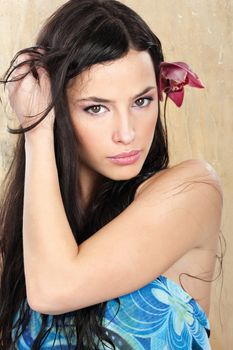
{"points": [[124, 131]]}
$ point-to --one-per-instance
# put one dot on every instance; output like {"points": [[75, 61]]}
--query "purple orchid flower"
{"points": [[173, 77]]}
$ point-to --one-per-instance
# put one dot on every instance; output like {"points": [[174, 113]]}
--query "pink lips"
{"points": [[125, 154], [126, 158]]}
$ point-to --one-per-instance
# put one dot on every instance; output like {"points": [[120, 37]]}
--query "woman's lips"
{"points": [[126, 158], [126, 154]]}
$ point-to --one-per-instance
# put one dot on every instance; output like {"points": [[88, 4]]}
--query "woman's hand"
{"points": [[29, 96]]}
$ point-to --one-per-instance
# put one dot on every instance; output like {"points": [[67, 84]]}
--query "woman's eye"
{"points": [[96, 109], [143, 101]]}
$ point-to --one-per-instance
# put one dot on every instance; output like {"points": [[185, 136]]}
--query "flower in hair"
{"points": [[173, 77]]}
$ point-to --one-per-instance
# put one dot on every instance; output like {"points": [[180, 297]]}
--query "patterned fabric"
{"points": [[159, 316]]}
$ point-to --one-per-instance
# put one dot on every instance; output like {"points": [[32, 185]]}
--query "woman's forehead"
{"points": [[133, 72]]}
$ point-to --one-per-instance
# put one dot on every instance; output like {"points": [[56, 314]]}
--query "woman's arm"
{"points": [[48, 243], [172, 214]]}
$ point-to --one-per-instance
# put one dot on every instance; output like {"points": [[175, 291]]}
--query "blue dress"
{"points": [[158, 316]]}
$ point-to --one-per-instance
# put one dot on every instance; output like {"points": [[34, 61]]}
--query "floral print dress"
{"points": [[159, 316]]}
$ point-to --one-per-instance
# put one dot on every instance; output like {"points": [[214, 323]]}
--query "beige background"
{"points": [[198, 32]]}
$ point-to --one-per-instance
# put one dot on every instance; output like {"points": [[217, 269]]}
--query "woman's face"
{"points": [[114, 109]]}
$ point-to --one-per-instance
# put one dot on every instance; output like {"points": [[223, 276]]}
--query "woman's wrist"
{"points": [[43, 137]]}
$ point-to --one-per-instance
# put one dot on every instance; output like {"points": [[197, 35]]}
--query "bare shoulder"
{"points": [[192, 172], [193, 187]]}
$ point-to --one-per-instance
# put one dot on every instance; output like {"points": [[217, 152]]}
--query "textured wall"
{"points": [[199, 32]]}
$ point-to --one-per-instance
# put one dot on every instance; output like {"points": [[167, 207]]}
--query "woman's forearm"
{"points": [[48, 243]]}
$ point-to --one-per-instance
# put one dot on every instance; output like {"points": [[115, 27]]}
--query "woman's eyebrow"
{"points": [[103, 100]]}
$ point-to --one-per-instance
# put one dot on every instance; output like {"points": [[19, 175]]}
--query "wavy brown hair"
{"points": [[79, 34]]}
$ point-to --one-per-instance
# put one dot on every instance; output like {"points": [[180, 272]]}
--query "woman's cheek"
{"points": [[92, 136], [151, 124]]}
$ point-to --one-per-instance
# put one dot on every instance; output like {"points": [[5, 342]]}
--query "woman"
{"points": [[103, 244]]}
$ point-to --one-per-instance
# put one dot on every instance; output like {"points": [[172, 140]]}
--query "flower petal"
{"points": [[177, 97], [173, 77], [173, 72], [194, 81]]}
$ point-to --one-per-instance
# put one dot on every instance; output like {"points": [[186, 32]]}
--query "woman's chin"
{"points": [[124, 174]]}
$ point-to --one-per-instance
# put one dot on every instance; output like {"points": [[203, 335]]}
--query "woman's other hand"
{"points": [[29, 94]]}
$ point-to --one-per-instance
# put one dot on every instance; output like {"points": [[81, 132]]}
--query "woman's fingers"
{"points": [[21, 66], [29, 90]]}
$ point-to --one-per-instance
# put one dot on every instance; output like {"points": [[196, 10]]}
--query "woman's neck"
{"points": [[88, 181]]}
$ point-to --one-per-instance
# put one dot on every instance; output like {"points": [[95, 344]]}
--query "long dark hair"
{"points": [[79, 34]]}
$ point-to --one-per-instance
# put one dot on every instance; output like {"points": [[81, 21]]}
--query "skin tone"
{"points": [[180, 227], [124, 123]]}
